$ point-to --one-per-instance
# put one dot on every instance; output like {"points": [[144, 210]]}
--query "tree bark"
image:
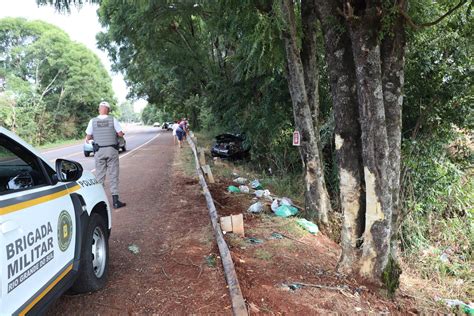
{"points": [[315, 186], [316, 197], [393, 65], [364, 32], [347, 129]]}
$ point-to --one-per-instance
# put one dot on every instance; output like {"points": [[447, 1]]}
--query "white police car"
{"points": [[54, 228]]}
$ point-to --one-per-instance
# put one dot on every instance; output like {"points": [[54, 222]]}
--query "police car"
{"points": [[54, 227]]}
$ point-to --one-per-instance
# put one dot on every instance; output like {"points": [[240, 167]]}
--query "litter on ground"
{"points": [[256, 208], [134, 249], [233, 189], [309, 226], [286, 211]]}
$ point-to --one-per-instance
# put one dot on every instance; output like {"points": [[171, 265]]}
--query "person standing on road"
{"points": [[174, 127], [105, 130], [180, 134]]}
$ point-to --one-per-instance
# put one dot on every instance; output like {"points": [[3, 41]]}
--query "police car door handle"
{"points": [[8, 226]]}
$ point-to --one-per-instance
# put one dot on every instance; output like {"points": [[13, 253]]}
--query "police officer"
{"points": [[105, 130]]}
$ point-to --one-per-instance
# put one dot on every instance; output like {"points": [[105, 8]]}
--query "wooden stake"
{"points": [[202, 156], [207, 170]]}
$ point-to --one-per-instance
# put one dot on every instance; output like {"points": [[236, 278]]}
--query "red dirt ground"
{"points": [[166, 217], [264, 268]]}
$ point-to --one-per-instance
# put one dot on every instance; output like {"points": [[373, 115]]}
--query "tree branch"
{"points": [[419, 26]]}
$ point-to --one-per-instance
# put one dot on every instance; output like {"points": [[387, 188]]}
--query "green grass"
{"points": [[263, 254], [59, 143]]}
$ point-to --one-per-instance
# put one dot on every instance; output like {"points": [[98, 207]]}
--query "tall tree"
{"points": [[303, 84]]}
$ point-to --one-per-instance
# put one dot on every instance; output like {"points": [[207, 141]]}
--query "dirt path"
{"points": [[166, 217]]}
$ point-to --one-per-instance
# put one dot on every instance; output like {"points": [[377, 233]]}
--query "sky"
{"points": [[81, 24]]}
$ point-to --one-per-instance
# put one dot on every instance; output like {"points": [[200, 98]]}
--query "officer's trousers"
{"points": [[107, 162]]}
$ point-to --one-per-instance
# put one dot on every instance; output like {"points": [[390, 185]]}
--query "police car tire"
{"points": [[87, 281]]}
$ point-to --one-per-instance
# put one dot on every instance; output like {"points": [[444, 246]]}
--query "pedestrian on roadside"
{"points": [[174, 127], [180, 134], [184, 126], [105, 130]]}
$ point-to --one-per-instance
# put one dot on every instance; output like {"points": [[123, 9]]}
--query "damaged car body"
{"points": [[230, 146]]}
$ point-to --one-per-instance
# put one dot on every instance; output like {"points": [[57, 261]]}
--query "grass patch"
{"points": [[263, 254], [60, 143], [186, 161], [235, 241]]}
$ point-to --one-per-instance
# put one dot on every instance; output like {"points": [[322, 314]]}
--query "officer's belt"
{"points": [[96, 147]]}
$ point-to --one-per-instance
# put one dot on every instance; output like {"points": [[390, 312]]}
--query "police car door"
{"points": [[37, 225]]}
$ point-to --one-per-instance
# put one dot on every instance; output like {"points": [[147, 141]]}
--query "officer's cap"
{"points": [[106, 104]]}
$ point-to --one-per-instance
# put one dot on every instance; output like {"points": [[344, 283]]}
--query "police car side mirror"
{"points": [[67, 170]]}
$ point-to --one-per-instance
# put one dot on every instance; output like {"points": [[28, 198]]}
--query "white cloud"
{"points": [[82, 25]]}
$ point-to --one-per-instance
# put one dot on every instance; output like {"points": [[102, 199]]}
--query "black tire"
{"points": [[87, 280], [87, 153]]}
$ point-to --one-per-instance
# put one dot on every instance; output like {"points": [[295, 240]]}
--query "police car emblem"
{"points": [[64, 230]]}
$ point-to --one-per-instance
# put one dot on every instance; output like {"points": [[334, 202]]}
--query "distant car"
{"points": [[156, 124], [230, 146], [167, 126], [88, 150]]}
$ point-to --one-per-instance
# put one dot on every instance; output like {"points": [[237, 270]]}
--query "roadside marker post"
{"points": [[296, 138]]}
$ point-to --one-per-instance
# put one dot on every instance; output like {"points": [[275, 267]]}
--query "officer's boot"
{"points": [[116, 202]]}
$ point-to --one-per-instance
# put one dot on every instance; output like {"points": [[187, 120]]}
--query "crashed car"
{"points": [[88, 146], [230, 146]]}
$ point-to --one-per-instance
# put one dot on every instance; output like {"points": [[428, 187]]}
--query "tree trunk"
{"points": [[347, 129], [378, 217], [393, 63], [315, 186], [316, 197]]}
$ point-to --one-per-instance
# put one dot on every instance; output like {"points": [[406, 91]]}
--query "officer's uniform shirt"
{"points": [[117, 126]]}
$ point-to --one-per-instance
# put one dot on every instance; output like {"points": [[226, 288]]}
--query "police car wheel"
{"points": [[94, 257]]}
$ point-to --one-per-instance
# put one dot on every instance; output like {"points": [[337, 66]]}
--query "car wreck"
{"points": [[230, 146]]}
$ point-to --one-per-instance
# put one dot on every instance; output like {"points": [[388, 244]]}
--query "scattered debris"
{"points": [[468, 309], [286, 211], [262, 193], [240, 180], [279, 202], [254, 240], [256, 208], [211, 260], [308, 225], [276, 236], [134, 249], [244, 189], [294, 286], [256, 185], [254, 308], [233, 189], [233, 224]]}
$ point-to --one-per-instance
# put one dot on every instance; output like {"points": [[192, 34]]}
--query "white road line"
{"points": [[135, 149]]}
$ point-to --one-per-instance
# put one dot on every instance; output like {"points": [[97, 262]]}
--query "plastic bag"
{"points": [[244, 189], [255, 184], [233, 189], [309, 226], [262, 193], [286, 211], [286, 201], [275, 205], [240, 180], [256, 208]]}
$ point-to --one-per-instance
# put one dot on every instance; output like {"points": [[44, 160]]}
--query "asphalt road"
{"points": [[135, 136]]}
